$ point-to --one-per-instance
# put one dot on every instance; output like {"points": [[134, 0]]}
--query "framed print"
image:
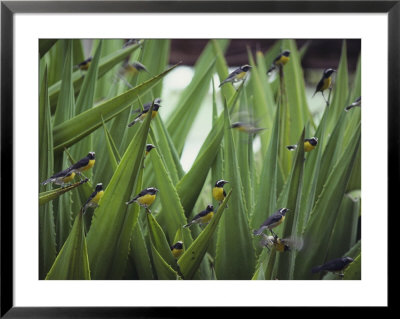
{"points": [[186, 149]]}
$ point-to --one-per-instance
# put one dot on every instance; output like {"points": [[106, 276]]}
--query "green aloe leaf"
{"points": [[159, 241], [47, 240], [286, 261], [265, 265], [235, 258], [185, 113], [168, 151], [73, 130], [110, 233], [344, 234], [262, 103], [65, 110], [138, 255], [163, 270], [172, 215], [266, 191], [72, 261], [190, 261], [114, 157], [47, 196]]}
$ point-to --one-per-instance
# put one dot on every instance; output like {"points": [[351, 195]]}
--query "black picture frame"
{"points": [[9, 8]]}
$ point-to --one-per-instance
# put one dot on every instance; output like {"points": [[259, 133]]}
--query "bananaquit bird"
{"points": [[218, 191], [134, 68], [84, 65], [237, 75], [272, 221], [309, 144], [83, 164], [61, 178], [357, 102], [203, 217], [93, 200], [145, 198], [146, 108], [177, 249], [281, 245], [325, 83], [336, 265], [279, 61], [149, 147], [246, 127]]}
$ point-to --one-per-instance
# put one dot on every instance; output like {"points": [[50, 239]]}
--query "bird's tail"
{"points": [[47, 181], [133, 123], [347, 108], [272, 68], [291, 147], [188, 225], [131, 201], [222, 83], [316, 269], [259, 231], [314, 93]]}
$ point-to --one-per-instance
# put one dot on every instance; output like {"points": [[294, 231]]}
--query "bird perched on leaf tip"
{"points": [[237, 75]]}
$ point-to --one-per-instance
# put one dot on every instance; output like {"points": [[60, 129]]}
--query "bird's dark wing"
{"points": [[81, 163], [61, 174], [335, 264], [142, 193], [272, 219], [319, 85], [201, 214], [234, 73], [277, 58], [90, 198]]}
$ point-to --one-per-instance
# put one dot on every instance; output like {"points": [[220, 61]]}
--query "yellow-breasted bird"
{"points": [[246, 127], [84, 65], [272, 221], [281, 245], [177, 249], [309, 144], [335, 265], [133, 68], [357, 102], [237, 75], [203, 217], [280, 60], [146, 108], [145, 198], [94, 198], [60, 178], [149, 147], [325, 82], [83, 164], [218, 191]]}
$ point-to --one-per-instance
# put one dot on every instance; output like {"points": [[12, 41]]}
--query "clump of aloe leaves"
{"points": [[83, 111]]}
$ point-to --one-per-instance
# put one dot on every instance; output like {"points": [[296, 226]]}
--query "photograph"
{"points": [[199, 159]]}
